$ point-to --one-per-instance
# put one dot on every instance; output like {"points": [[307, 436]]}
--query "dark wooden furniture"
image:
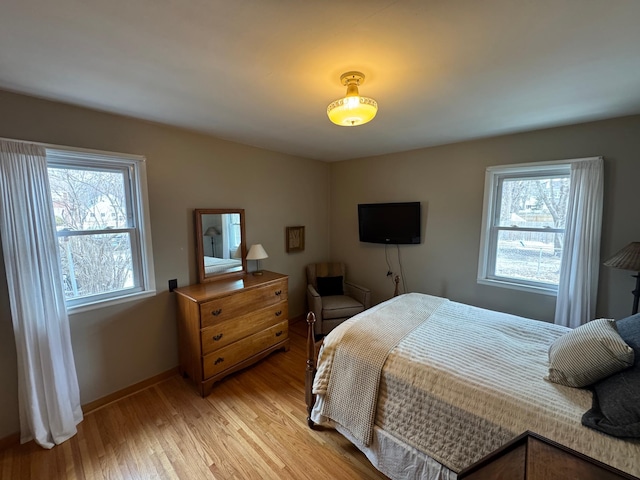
{"points": [[534, 457], [310, 371], [229, 324]]}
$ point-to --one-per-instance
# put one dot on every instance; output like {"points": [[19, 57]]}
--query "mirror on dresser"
{"points": [[220, 243]]}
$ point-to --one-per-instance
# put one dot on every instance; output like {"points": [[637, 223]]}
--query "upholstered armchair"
{"points": [[331, 298]]}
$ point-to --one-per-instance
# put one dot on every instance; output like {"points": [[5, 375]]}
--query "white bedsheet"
{"points": [[220, 265]]}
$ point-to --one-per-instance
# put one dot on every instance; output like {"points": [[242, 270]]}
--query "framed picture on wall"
{"points": [[295, 239]]}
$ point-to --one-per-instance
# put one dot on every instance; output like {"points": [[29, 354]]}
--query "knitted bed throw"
{"points": [[358, 360]]}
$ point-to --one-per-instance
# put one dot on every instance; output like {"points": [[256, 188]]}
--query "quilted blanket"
{"points": [[359, 358], [467, 380]]}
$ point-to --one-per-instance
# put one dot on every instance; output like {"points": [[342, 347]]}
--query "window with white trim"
{"points": [[524, 216], [103, 229], [234, 233]]}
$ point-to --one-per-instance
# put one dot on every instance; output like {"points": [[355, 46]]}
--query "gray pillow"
{"points": [[616, 399], [589, 353], [328, 286]]}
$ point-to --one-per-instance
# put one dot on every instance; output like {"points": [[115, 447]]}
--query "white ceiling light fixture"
{"points": [[353, 109]]}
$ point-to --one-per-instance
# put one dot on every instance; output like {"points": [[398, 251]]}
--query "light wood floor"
{"points": [[252, 426]]}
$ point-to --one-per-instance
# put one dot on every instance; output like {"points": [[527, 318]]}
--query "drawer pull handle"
{"points": [[217, 312], [278, 333], [278, 292], [218, 360], [278, 313], [217, 337]]}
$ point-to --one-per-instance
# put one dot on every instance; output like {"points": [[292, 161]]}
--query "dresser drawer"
{"points": [[223, 333], [230, 324], [239, 304], [230, 355]]}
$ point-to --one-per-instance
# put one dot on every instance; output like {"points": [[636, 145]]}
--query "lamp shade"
{"points": [[256, 252], [353, 109], [626, 259], [212, 232]]}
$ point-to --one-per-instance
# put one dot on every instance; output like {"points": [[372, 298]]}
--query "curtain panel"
{"points": [[580, 266], [49, 399]]}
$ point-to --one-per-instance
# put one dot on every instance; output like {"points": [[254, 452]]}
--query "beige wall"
{"points": [[119, 346], [449, 181]]}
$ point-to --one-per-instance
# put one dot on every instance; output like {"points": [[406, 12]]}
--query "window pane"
{"points": [[95, 264], [88, 199], [534, 202], [100, 209], [234, 231], [531, 256]]}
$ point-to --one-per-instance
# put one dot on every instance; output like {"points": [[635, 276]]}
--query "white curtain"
{"points": [[578, 285], [49, 398]]}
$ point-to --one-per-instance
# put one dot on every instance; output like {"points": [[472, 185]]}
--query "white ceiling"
{"points": [[261, 72]]}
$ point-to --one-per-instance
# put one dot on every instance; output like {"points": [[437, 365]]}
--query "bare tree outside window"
{"points": [[530, 228], [92, 214]]}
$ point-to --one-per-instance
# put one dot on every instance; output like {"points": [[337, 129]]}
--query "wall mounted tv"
{"points": [[395, 223]]}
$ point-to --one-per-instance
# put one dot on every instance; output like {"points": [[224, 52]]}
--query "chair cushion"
{"points": [[330, 286], [616, 399], [589, 353], [329, 269], [315, 270], [340, 306]]}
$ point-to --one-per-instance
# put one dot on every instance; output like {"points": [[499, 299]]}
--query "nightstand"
{"points": [[534, 457]]}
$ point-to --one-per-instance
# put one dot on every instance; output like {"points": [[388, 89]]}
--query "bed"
{"points": [[425, 387], [220, 265]]}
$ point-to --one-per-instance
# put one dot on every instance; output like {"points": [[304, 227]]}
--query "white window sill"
{"points": [[109, 302], [519, 286]]}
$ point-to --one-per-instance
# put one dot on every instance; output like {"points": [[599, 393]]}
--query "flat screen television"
{"points": [[395, 223]]}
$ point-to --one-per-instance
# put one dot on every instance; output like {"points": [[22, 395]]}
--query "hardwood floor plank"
{"points": [[5, 468], [252, 426], [85, 459]]}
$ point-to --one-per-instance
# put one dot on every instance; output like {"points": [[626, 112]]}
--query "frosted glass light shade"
{"points": [[352, 110]]}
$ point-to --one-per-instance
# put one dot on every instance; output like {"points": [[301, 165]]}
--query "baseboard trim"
{"points": [[125, 392], [297, 319], [9, 441], [14, 438]]}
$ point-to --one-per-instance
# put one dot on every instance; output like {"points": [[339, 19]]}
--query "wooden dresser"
{"points": [[227, 325], [534, 457]]}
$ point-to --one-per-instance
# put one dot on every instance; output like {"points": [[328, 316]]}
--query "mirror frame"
{"points": [[197, 214]]}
